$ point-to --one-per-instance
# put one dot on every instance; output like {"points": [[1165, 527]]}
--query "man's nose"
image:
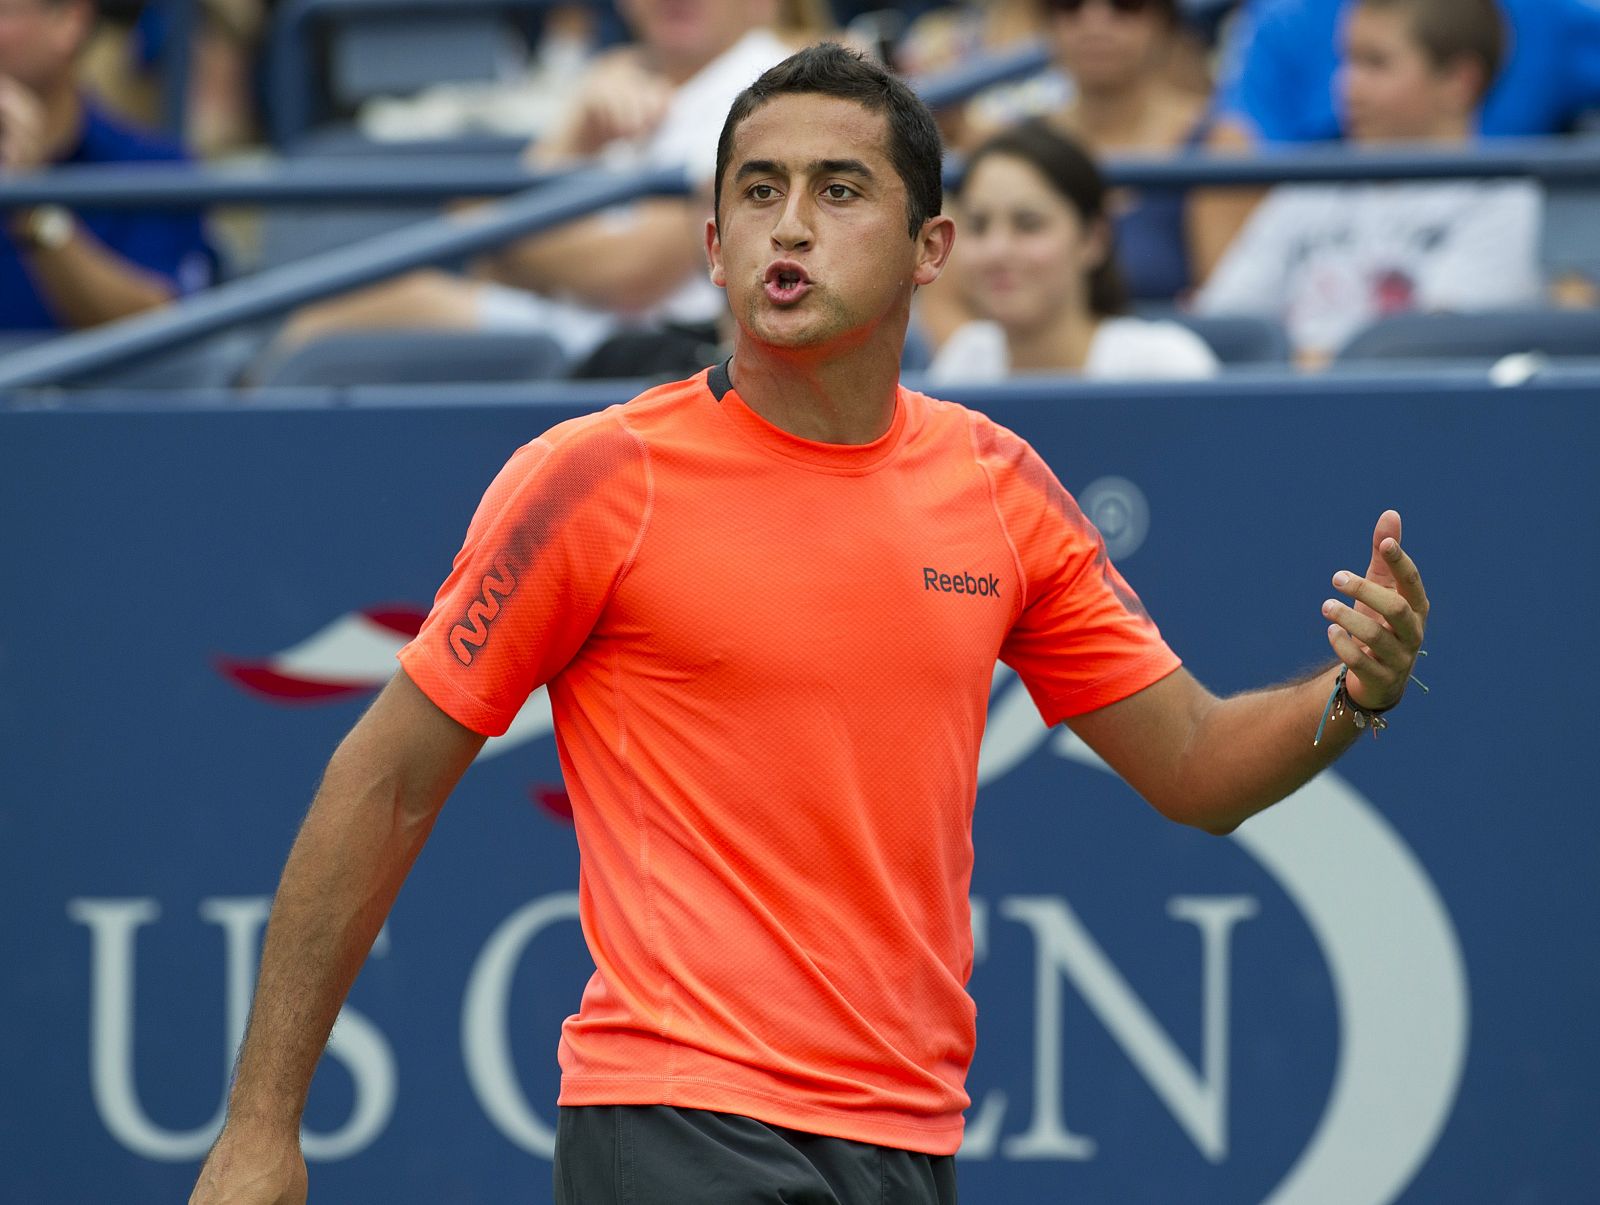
{"points": [[793, 231]]}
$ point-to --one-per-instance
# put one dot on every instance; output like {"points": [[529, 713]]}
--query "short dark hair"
{"points": [[1072, 172], [831, 70], [1448, 31]]}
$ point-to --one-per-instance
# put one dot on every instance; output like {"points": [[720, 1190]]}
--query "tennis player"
{"points": [[767, 602]]}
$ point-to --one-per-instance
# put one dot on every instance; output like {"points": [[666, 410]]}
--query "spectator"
{"points": [[1037, 254], [1116, 53], [1284, 53], [1327, 260], [947, 37], [659, 101], [60, 269]]}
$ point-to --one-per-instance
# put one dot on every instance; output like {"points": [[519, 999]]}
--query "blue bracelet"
{"points": [[1339, 702]]}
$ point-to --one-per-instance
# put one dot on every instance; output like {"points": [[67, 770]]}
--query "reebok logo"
{"points": [[473, 631], [961, 583]]}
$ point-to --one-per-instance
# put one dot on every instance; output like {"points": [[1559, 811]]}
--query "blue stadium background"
{"points": [[1382, 991]]}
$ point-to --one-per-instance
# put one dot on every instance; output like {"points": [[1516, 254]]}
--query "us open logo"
{"points": [[1384, 936], [1387, 941]]}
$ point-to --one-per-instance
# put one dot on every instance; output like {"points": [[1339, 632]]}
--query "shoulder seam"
{"points": [[999, 516], [646, 511]]}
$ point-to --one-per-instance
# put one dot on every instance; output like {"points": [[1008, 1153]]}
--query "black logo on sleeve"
{"points": [[986, 585]]}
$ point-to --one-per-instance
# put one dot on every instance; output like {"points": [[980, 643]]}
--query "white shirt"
{"points": [[1123, 349], [687, 135], [1329, 260]]}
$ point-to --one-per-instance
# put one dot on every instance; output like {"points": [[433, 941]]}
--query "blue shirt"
{"points": [[169, 243], [1279, 72]]}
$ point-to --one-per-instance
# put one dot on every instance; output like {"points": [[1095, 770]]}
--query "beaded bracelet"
{"points": [[1339, 702]]}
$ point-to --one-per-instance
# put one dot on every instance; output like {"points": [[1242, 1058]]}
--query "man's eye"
{"points": [[839, 192], [762, 192]]}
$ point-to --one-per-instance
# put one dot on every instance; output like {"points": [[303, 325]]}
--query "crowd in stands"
{"points": [[1053, 270]]}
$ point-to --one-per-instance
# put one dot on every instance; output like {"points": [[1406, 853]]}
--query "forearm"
{"points": [[352, 853], [625, 262], [85, 284], [1246, 752]]}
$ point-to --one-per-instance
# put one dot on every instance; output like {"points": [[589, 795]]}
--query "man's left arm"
{"points": [[1213, 763], [626, 260], [84, 283]]}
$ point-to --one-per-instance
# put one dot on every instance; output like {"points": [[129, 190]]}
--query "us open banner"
{"points": [[1383, 990]]}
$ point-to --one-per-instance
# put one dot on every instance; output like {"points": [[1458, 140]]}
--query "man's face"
{"points": [[39, 40], [813, 248], [1389, 89], [691, 31]]}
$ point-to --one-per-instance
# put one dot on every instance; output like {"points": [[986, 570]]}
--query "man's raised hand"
{"points": [[1380, 636]]}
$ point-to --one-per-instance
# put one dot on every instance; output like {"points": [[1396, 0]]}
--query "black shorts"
{"points": [[661, 1155]]}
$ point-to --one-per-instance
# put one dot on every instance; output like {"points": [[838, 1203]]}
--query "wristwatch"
{"points": [[45, 228]]}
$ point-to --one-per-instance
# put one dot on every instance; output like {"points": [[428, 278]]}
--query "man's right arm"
{"points": [[374, 810]]}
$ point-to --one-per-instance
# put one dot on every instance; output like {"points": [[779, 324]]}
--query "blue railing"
{"points": [[1561, 164], [1577, 382], [267, 294]]}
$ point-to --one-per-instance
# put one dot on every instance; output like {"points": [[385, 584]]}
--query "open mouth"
{"points": [[786, 282]]}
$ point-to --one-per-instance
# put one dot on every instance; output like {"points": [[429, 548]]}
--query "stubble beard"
{"points": [[828, 319]]}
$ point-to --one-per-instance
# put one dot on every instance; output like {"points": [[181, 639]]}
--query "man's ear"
{"points": [[1465, 84], [714, 254], [934, 243]]}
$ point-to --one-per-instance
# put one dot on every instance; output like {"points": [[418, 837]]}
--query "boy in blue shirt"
{"points": [[1281, 65]]}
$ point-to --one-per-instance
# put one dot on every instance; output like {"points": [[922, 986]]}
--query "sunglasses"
{"points": [[1070, 7]]}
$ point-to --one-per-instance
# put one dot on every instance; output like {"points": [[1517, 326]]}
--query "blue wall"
{"points": [[1383, 990]]}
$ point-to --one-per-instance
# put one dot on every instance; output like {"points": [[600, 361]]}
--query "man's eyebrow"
{"points": [[817, 167]]}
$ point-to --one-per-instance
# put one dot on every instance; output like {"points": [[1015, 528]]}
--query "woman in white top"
{"points": [[1036, 260]]}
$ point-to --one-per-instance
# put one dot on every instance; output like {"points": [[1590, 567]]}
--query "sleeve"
{"points": [[1082, 639], [1164, 351], [1185, 356], [975, 351], [173, 247], [1582, 41], [1252, 276], [550, 540], [1278, 69], [1490, 260]]}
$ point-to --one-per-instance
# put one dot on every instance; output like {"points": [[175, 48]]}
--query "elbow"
{"points": [[1219, 826], [1219, 817]]}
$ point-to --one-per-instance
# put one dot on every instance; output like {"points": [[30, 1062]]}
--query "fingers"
{"points": [[1407, 578], [1371, 683], [1360, 660], [1375, 637], [1399, 615]]}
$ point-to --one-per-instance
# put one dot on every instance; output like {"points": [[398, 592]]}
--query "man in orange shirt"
{"points": [[768, 602]]}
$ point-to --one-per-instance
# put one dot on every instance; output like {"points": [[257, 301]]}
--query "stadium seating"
{"points": [[1477, 338], [417, 358], [394, 48], [1239, 340]]}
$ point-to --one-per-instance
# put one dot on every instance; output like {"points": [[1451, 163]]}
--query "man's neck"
{"points": [[826, 397]]}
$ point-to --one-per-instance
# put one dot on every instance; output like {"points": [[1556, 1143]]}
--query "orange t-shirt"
{"points": [[769, 664]]}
